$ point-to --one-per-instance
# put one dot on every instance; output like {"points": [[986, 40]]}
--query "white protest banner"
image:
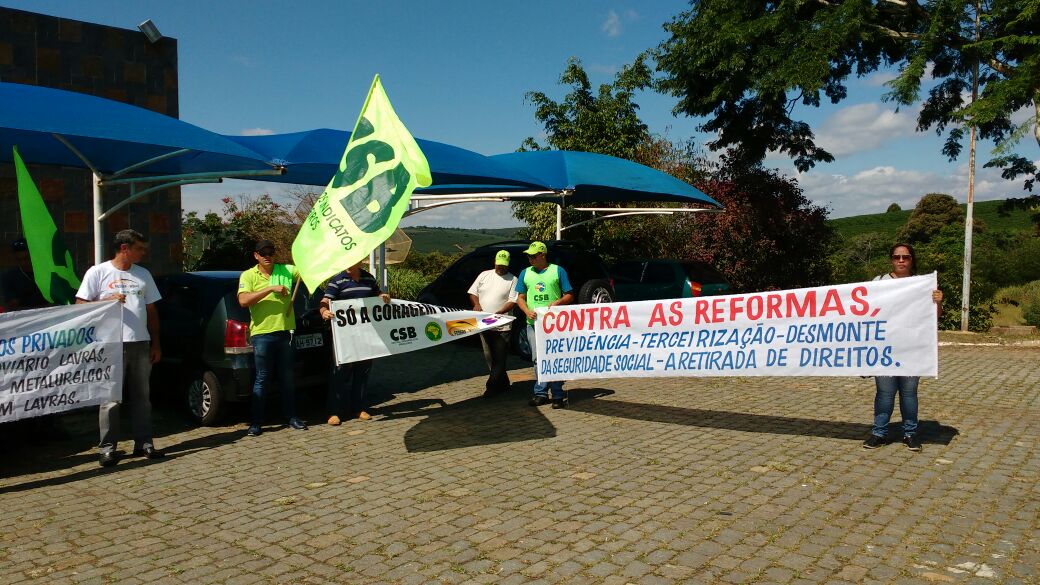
{"points": [[368, 328], [885, 327], [60, 358]]}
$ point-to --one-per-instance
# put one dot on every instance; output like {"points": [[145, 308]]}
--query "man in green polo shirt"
{"points": [[542, 285], [266, 290]]}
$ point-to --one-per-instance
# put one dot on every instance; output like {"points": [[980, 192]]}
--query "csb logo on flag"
{"points": [[366, 199]]}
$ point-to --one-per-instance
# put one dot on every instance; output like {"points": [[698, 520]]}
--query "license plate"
{"points": [[308, 340]]}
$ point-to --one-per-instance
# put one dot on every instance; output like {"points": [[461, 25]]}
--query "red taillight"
{"points": [[695, 288], [236, 337], [611, 281]]}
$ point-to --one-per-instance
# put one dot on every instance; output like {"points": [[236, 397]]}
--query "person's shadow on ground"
{"points": [[68, 440], [477, 421], [929, 431]]}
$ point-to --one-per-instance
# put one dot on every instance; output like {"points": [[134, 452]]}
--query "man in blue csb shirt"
{"points": [[542, 285], [352, 283]]}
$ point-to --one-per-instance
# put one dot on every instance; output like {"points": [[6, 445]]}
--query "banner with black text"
{"points": [[60, 358], [368, 328], [884, 327]]}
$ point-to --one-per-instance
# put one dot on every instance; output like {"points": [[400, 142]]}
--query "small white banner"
{"points": [[884, 327], [368, 328], [60, 358]]}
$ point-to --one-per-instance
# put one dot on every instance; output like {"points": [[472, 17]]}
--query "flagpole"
{"points": [[99, 245]]}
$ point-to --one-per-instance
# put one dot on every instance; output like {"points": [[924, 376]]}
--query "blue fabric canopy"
{"points": [[597, 178], [312, 157], [110, 134]]}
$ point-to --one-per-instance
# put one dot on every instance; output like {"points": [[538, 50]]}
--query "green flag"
{"points": [[51, 259], [367, 197]]}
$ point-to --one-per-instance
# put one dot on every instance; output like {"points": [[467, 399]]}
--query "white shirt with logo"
{"points": [[493, 290], [105, 280]]}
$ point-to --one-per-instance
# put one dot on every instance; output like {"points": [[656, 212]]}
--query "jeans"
{"points": [[556, 388], [137, 367], [884, 403], [273, 353], [496, 351], [357, 374]]}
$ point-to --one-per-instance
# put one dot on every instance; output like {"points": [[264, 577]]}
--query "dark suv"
{"points": [[640, 280], [585, 270], [206, 354]]}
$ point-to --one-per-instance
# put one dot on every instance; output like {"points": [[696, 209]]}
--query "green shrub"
{"points": [[405, 284], [1026, 297], [1009, 295]]}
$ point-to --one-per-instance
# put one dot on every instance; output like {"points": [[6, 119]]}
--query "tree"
{"points": [[605, 122], [770, 236], [224, 242], [894, 208], [746, 65], [932, 213], [944, 253]]}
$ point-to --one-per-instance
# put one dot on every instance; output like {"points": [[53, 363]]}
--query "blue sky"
{"points": [[457, 72]]}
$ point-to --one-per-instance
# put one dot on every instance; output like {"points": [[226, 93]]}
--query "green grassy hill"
{"points": [[889, 223], [453, 240], [449, 240]]}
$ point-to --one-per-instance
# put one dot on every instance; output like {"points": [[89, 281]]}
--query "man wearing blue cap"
{"points": [[542, 285], [494, 291]]}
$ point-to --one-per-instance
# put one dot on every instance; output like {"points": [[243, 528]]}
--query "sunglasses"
{"points": [[266, 253], [906, 257]]}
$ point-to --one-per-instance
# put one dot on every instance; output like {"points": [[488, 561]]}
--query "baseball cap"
{"points": [[535, 248], [263, 244], [502, 258]]}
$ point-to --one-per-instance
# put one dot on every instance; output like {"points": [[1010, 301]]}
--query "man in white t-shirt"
{"points": [[122, 279], [494, 291]]}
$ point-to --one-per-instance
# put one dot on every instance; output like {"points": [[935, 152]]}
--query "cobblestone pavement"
{"points": [[729, 480]]}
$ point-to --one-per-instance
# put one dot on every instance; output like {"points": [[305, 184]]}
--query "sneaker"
{"points": [[364, 416], [297, 424], [334, 421], [873, 442], [538, 401], [558, 403], [254, 431], [911, 443]]}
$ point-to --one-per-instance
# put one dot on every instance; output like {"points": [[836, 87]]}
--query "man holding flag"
{"points": [[266, 290]]}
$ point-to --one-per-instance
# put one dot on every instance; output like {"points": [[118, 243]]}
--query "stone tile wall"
{"points": [[105, 61]]}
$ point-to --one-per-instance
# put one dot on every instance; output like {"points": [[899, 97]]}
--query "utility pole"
{"points": [[969, 220]]}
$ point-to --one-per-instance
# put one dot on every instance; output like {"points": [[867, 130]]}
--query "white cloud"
{"points": [[864, 127], [631, 14], [256, 132], [872, 190], [612, 26], [880, 78]]}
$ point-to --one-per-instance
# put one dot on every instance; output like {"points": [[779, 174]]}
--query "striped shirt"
{"points": [[342, 287]]}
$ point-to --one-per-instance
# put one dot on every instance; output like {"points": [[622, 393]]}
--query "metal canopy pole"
{"points": [[99, 246], [647, 211], [100, 180]]}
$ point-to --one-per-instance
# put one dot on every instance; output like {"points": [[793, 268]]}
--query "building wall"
{"points": [[105, 61]]}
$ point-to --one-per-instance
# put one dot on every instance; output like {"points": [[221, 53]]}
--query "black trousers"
{"points": [[496, 351], [347, 386]]}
